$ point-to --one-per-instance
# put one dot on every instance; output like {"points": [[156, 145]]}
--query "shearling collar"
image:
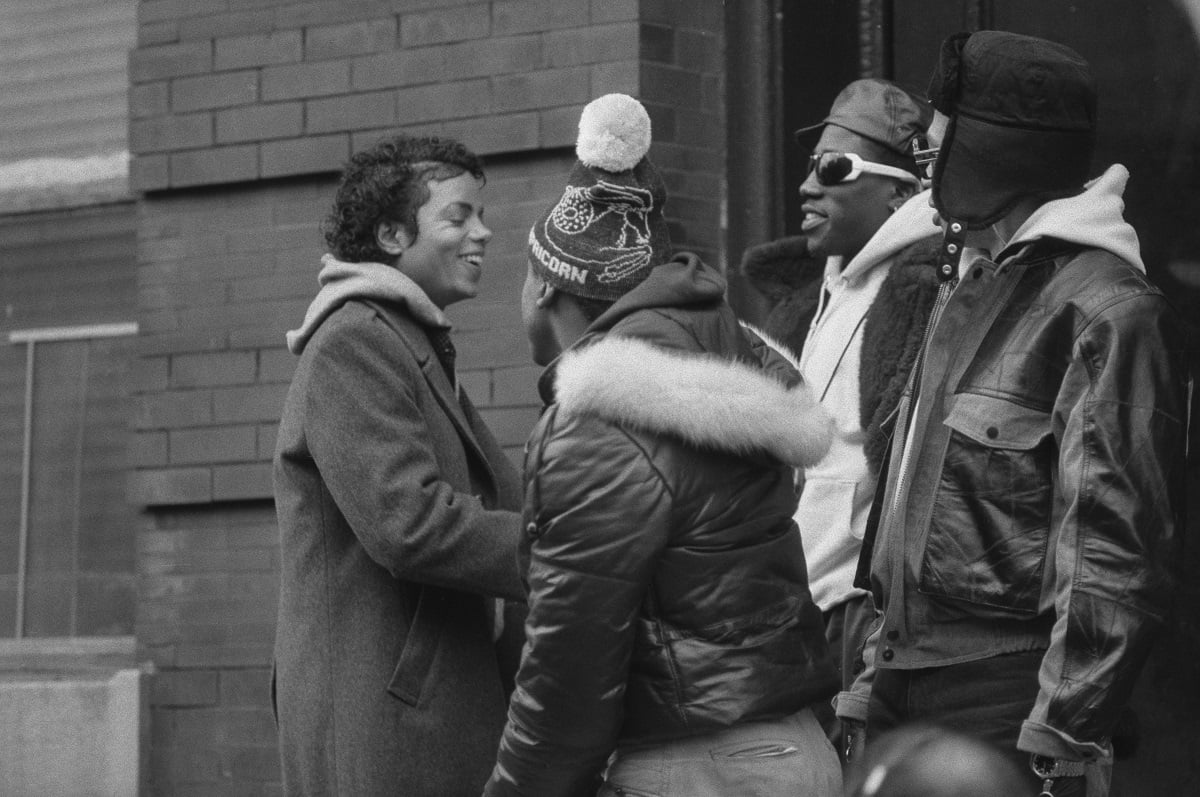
{"points": [[707, 401]]}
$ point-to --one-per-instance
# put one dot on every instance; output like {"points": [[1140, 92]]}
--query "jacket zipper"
{"points": [[939, 305]]}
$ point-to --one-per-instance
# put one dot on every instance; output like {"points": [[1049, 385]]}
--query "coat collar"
{"points": [[708, 401]]}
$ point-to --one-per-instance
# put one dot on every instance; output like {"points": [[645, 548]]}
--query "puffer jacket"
{"points": [[667, 585], [1035, 509]]}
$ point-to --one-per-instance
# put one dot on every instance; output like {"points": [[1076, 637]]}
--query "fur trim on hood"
{"points": [[340, 282], [707, 401]]}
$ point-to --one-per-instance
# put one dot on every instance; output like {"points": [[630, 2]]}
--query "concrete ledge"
{"points": [[74, 730]]}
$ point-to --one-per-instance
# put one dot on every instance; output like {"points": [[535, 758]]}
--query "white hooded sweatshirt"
{"points": [[838, 490]]}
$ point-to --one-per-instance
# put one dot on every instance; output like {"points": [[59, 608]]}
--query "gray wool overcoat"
{"points": [[398, 530]]}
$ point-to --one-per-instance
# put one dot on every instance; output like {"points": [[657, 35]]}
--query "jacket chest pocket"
{"points": [[990, 528]]}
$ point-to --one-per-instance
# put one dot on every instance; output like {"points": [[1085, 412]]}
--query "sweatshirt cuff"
{"points": [[851, 706], [1043, 740]]}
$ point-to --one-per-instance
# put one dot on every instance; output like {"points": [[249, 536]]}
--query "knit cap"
{"points": [[607, 231]]}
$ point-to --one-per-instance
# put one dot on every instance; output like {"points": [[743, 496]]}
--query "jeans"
{"points": [[987, 699], [779, 758]]}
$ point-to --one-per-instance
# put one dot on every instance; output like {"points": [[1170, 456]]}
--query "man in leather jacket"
{"points": [[673, 646], [1021, 558]]}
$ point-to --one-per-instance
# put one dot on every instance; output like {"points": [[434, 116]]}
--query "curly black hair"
{"points": [[390, 181]]}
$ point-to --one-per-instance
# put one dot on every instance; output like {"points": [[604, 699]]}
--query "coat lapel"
{"points": [[417, 341]]}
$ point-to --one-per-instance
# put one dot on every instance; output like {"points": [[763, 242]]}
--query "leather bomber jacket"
{"points": [[1037, 507], [668, 592]]}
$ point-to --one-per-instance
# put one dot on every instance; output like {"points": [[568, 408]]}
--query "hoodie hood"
{"points": [[341, 282], [912, 222], [708, 401], [1094, 218], [682, 281]]}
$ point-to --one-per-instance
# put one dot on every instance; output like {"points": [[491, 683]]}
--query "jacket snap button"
{"points": [[993, 432], [531, 529], [888, 654]]}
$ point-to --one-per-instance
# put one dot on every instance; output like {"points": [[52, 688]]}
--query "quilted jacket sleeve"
{"points": [[368, 436], [598, 514], [1122, 406]]}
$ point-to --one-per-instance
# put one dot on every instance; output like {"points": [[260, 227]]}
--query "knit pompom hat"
{"points": [[607, 231]]}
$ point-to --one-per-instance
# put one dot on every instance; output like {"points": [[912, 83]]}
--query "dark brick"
{"points": [[305, 80], [323, 12], [444, 101], [240, 482], [668, 84], [613, 10], [493, 134], [305, 155], [149, 173], [355, 38], [216, 444], [622, 77], [162, 133], [259, 122], [227, 24], [477, 385], [215, 369], [545, 89], [161, 486], [150, 374], [591, 45], [218, 165], [657, 43], [152, 33], [221, 90], [169, 60], [159, 10], [184, 688], [253, 403], [174, 409], [444, 25], [516, 386], [559, 127], [400, 68], [699, 51], [511, 425], [268, 434], [148, 450], [149, 99], [525, 16], [278, 47], [352, 111]]}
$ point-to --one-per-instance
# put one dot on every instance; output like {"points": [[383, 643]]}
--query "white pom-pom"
{"points": [[614, 133]]}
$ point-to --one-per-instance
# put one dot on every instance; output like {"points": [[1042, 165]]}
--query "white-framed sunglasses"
{"points": [[834, 167]]}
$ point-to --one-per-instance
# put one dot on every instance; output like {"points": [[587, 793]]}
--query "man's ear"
{"points": [[902, 191], [392, 237], [546, 295]]}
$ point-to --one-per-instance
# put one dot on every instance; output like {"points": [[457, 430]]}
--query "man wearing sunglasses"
{"points": [[867, 250], [1022, 558]]}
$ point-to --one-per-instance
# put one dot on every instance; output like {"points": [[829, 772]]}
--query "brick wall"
{"points": [[241, 114], [282, 88]]}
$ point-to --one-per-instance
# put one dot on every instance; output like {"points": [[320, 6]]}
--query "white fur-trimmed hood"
{"points": [[709, 402]]}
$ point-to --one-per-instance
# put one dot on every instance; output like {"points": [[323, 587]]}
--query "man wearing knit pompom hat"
{"points": [[673, 646]]}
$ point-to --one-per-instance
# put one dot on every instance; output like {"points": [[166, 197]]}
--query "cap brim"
{"points": [[804, 135], [984, 169]]}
